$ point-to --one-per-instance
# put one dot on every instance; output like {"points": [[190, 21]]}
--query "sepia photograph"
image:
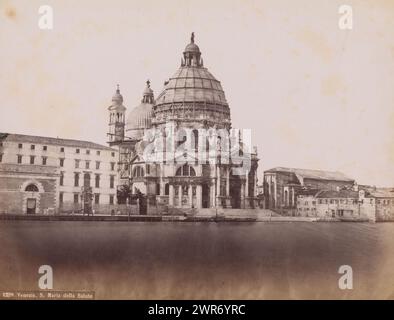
{"points": [[197, 150]]}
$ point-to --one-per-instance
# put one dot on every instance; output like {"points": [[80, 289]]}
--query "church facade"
{"points": [[179, 150]]}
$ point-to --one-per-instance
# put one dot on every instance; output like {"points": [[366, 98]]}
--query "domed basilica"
{"points": [[179, 150]]}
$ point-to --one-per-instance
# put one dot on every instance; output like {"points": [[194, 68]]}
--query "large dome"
{"points": [[140, 118], [192, 93], [192, 84]]}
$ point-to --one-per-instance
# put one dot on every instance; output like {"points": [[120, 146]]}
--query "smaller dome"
{"points": [[140, 118], [192, 47], [148, 90]]}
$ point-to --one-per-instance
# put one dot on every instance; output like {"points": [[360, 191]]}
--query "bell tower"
{"points": [[116, 119]]}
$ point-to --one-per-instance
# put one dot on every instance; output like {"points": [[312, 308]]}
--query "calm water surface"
{"points": [[139, 260]]}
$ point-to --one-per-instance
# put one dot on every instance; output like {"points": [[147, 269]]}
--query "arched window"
{"points": [[31, 188], [286, 198], [186, 170]]}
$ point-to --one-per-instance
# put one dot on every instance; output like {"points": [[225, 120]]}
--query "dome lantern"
{"points": [[148, 94], [117, 98], [192, 55]]}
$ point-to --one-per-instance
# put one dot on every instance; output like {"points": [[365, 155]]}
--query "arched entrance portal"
{"points": [[205, 196], [31, 201], [235, 191]]}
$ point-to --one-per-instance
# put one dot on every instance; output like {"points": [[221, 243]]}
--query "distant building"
{"points": [[282, 186], [345, 204], [41, 175], [384, 203]]}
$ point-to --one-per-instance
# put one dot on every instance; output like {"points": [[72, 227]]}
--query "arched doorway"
{"points": [[235, 191], [31, 202], [205, 196]]}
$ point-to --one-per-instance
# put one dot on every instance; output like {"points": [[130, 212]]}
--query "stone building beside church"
{"points": [[283, 185], [178, 151], [43, 175]]}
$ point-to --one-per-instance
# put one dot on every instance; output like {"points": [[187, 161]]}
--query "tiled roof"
{"points": [[314, 174], [192, 84], [53, 141], [383, 193], [337, 194]]}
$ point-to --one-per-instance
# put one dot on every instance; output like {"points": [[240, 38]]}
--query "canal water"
{"points": [[149, 260]]}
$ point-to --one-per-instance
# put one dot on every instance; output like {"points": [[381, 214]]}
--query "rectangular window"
{"points": [[77, 151], [111, 182], [76, 196], [96, 198], [113, 154], [76, 164], [44, 161], [20, 146], [97, 181], [147, 169], [62, 149], [87, 164], [19, 159], [45, 148], [1, 157], [32, 159], [112, 166], [61, 162], [76, 179], [32, 147], [61, 182], [98, 152], [61, 197], [97, 165], [111, 199], [87, 151]]}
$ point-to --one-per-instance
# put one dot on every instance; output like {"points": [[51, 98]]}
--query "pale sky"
{"points": [[313, 95]]}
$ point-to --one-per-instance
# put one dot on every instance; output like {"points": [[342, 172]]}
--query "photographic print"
{"points": [[196, 150]]}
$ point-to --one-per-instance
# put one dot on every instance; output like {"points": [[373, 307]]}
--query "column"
{"points": [[161, 180], [243, 195], [293, 197], [180, 196], [247, 184], [255, 183], [218, 181], [190, 196], [171, 195], [199, 196], [228, 183], [213, 197], [275, 194]]}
